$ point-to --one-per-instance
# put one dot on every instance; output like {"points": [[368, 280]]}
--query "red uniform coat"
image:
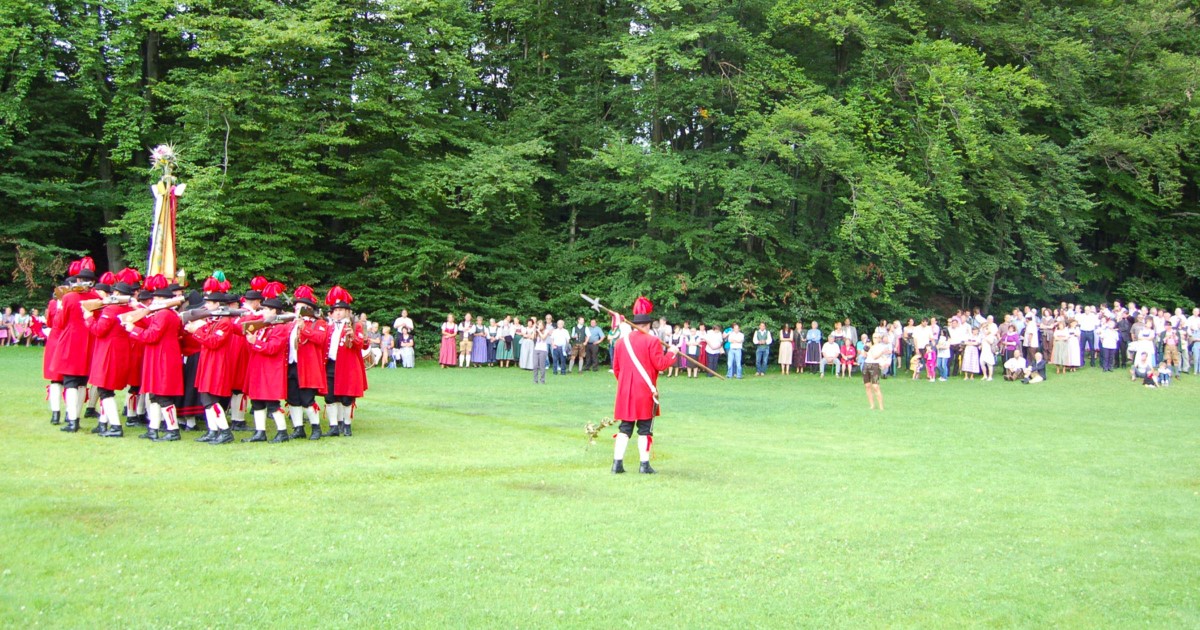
{"points": [[239, 355], [72, 355], [162, 359], [266, 372], [111, 348], [312, 343], [51, 344], [137, 354], [635, 401], [216, 339], [350, 373]]}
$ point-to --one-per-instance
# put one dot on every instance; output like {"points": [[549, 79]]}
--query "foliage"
{"points": [[757, 159]]}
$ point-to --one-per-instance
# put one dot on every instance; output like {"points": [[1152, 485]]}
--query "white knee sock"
{"points": [[72, 402], [55, 394], [297, 414], [169, 416], [333, 414], [130, 405], [141, 403], [345, 412], [109, 413], [260, 419], [620, 445], [314, 415], [210, 417], [237, 407], [280, 419], [644, 447], [221, 418], [154, 412], [92, 397]]}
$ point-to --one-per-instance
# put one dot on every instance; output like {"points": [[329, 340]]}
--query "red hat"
{"points": [[87, 269], [214, 291], [304, 295], [106, 281], [73, 269], [155, 282], [641, 311], [338, 298], [256, 286], [271, 292], [127, 280]]}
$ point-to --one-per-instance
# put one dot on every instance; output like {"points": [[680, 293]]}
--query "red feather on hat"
{"points": [[257, 283], [338, 294], [73, 268], [304, 292], [212, 285], [273, 290], [108, 278], [155, 282], [129, 276], [87, 264], [642, 306]]}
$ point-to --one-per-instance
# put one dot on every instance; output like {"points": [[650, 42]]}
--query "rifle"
{"points": [[97, 304], [255, 325], [63, 289], [598, 307], [138, 315]]}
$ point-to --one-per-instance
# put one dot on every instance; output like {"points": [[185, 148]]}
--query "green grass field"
{"points": [[466, 498]]}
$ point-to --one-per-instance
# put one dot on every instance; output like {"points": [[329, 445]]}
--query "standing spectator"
{"points": [[578, 345], [446, 354], [970, 356], [1088, 323], [1193, 336], [404, 322], [692, 339], [528, 334], [943, 356], [541, 341], [479, 343], [406, 349], [800, 349], [787, 342], [988, 346], [560, 347], [594, 335], [713, 348], [1170, 348], [849, 331], [387, 346], [466, 333], [505, 347], [493, 341], [762, 349], [1074, 353], [812, 347], [733, 361], [1110, 342]]}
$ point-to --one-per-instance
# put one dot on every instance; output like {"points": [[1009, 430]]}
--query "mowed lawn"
{"points": [[466, 498]]}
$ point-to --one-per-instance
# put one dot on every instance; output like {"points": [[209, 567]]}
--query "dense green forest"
{"points": [[744, 158]]}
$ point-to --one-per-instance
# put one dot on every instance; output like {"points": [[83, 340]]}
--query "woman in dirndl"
{"points": [[812, 346]]}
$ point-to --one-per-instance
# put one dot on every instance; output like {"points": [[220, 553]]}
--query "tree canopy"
{"points": [[748, 159]]}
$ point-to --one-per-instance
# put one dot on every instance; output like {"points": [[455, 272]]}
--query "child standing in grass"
{"points": [[930, 361], [943, 357]]}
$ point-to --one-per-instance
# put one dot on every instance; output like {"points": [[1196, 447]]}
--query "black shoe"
{"points": [[100, 428], [618, 467], [207, 437], [91, 413], [55, 417], [238, 425], [150, 434], [170, 435], [224, 436], [114, 430], [333, 431], [298, 433], [316, 432], [280, 436], [71, 427], [259, 436], [645, 469], [346, 431], [133, 421]]}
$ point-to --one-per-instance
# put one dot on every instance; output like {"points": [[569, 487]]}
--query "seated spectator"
{"points": [[848, 356], [1014, 368], [829, 355], [1036, 371]]}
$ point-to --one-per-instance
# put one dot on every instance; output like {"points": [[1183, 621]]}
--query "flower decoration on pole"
{"points": [[161, 257]]}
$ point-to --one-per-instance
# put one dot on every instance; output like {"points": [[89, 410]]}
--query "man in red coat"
{"points": [[109, 372], [239, 355], [637, 359], [306, 364], [72, 357], [54, 391], [214, 382], [345, 373], [266, 371], [162, 363]]}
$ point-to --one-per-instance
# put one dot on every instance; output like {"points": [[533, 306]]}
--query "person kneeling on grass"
{"points": [[1014, 368]]}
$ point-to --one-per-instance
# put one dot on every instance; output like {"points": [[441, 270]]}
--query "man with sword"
{"points": [[638, 357]]}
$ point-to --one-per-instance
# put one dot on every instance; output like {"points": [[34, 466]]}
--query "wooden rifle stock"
{"points": [[254, 326], [134, 316], [97, 304]]}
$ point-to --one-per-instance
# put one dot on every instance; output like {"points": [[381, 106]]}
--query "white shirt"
{"points": [[561, 337], [1087, 321], [736, 339], [402, 322], [335, 337], [714, 344]]}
